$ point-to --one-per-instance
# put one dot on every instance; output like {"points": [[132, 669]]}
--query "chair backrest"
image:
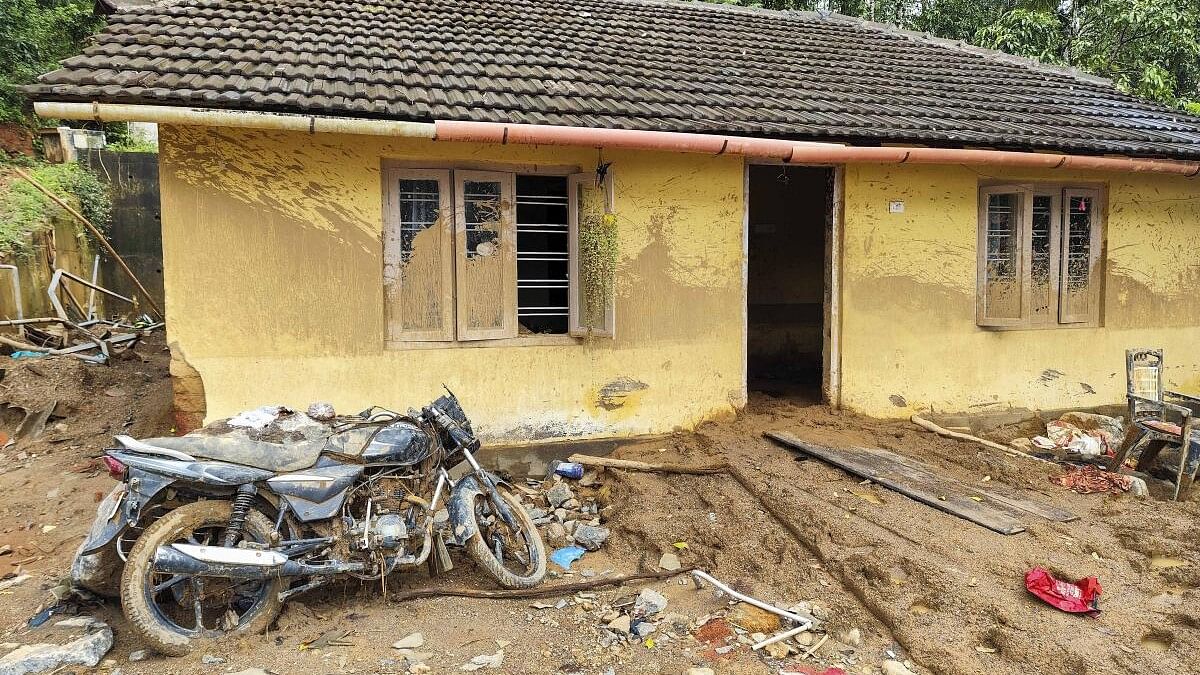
{"points": [[1143, 373]]}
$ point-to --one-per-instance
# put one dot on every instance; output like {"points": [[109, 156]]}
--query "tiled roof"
{"points": [[632, 64]]}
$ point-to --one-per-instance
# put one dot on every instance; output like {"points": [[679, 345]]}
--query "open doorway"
{"points": [[790, 214]]}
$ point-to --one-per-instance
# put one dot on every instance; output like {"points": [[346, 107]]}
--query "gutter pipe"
{"points": [[790, 152]]}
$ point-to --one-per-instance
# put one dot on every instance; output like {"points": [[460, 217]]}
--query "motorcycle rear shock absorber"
{"points": [[237, 520]]}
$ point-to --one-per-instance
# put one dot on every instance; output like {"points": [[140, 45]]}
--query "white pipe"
{"points": [[800, 620], [780, 637], [16, 289], [793, 152], [212, 117], [92, 291]]}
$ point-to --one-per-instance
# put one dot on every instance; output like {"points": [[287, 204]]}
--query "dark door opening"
{"points": [[790, 212]]}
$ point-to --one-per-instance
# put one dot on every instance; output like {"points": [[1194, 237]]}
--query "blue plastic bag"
{"points": [[563, 557]]}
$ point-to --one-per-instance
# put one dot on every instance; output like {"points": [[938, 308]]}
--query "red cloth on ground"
{"points": [[1081, 597]]}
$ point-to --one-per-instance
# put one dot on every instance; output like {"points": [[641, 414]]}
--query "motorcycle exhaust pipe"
{"points": [[240, 563], [217, 561]]}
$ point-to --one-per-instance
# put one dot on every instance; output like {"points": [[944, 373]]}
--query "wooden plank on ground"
{"points": [[1004, 497], [906, 477], [1030, 506]]}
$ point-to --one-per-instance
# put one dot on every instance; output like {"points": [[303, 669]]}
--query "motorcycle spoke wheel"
{"points": [[516, 557], [172, 611]]}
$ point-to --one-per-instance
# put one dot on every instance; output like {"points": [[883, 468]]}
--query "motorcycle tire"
{"points": [[135, 595], [477, 548]]}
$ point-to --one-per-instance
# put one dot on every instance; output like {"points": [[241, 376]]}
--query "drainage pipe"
{"points": [[793, 152]]}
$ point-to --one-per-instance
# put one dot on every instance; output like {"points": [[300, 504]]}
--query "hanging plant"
{"points": [[598, 258]]}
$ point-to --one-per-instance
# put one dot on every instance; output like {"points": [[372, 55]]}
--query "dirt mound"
{"points": [[88, 402]]}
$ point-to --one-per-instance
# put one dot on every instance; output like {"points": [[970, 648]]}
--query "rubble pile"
{"points": [[570, 519]]}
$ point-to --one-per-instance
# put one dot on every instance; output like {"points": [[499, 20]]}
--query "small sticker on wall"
{"points": [[896, 207]]}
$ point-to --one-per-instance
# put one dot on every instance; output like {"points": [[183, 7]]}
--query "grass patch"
{"points": [[25, 211]]}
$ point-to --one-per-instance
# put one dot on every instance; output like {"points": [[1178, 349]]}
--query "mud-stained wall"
{"points": [[909, 338], [274, 276]]}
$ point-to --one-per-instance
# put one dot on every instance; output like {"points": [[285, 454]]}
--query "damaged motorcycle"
{"points": [[208, 536]]}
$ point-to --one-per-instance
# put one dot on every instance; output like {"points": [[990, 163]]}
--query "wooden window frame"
{"points": [[507, 255], [1060, 194], [391, 222], [453, 336]]}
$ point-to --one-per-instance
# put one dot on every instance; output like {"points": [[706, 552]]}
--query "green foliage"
{"points": [[1035, 35], [1150, 48], [132, 145], [597, 260], [34, 36], [24, 210]]}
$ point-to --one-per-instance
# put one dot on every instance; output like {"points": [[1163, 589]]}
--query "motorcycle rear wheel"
{"points": [[153, 613], [529, 572]]}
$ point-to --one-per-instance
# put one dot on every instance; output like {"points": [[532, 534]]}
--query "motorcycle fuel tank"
{"points": [[399, 443]]}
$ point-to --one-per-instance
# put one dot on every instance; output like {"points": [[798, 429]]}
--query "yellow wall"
{"points": [[909, 336], [273, 277]]}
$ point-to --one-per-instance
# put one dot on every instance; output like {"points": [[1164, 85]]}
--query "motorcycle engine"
{"points": [[380, 517]]}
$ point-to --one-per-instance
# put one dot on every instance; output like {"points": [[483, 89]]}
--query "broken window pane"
{"points": [[481, 212], [1077, 250], [1002, 290], [419, 204], [486, 262], [418, 256], [1040, 262], [543, 251]]}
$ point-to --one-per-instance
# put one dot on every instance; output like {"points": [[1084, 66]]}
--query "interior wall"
{"points": [[788, 216], [910, 342], [274, 277]]}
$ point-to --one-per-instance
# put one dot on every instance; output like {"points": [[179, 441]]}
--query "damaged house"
{"points": [[611, 218]]}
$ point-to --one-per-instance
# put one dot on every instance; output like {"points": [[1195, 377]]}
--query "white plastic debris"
{"points": [[259, 418]]}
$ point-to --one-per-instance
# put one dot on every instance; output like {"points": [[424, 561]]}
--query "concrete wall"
{"points": [[64, 245], [909, 338], [273, 277], [132, 180]]}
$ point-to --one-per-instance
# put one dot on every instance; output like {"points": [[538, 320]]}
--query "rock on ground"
{"points": [[559, 495], [752, 619], [39, 658], [649, 602], [591, 537]]}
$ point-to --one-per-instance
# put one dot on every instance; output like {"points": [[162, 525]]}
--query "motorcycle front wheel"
{"points": [[174, 612], [515, 559]]}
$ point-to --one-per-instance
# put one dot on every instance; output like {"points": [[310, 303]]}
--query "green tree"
{"points": [[34, 36], [1150, 48]]}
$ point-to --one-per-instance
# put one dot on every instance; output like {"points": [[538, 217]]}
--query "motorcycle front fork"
{"points": [[498, 504]]}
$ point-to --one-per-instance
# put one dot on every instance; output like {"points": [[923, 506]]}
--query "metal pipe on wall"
{"points": [[793, 152]]}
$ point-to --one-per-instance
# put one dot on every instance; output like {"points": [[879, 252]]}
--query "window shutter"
{"points": [[418, 255], [1002, 295], [485, 255], [1043, 245], [1078, 289], [592, 279]]}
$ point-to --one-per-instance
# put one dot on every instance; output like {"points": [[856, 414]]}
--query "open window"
{"points": [[493, 255], [1039, 257]]}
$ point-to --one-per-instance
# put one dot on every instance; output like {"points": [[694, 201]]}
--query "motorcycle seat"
{"points": [[275, 457]]}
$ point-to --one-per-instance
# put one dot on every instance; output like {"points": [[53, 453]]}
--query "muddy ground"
{"points": [[891, 578]]}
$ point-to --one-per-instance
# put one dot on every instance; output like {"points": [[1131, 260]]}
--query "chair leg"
{"points": [[1189, 458], [1149, 456], [1132, 440]]}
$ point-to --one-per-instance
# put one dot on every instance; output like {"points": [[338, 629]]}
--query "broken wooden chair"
{"points": [[1157, 423]]}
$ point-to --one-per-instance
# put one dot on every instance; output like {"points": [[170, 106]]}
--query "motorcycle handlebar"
{"points": [[456, 432]]}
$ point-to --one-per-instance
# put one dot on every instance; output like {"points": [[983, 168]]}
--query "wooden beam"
{"points": [[630, 465], [912, 480]]}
